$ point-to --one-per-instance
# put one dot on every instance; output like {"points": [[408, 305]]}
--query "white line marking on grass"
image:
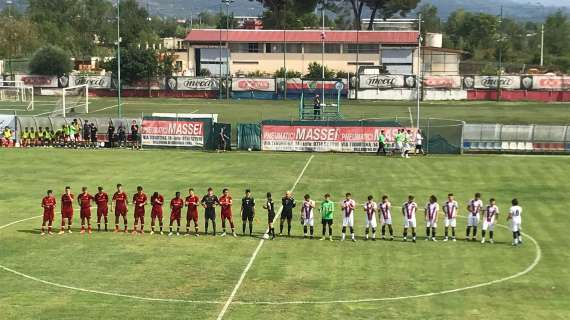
{"points": [[254, 255], [537, 259], [105, 108], [11, 223], [88, 290], [103, 292]]}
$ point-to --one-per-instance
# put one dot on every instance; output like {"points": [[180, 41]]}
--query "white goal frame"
{"points": [[19, 87], [63, 95]]}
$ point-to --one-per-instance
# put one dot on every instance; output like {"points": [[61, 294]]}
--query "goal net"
{"points": [[74, 100], [14, 96]]}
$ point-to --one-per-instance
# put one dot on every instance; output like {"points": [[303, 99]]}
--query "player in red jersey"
{"points": [[84, 200], [157, 200], [176, 205], [66, 210], [139, 200], [121, 200], [192, 201], [48, 203], [226, 212], [102, 201]]}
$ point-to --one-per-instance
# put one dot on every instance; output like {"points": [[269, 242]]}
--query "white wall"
{"points": [[409, 94]]}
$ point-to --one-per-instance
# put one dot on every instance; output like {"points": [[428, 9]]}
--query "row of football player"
{"points": [[209, 201]]}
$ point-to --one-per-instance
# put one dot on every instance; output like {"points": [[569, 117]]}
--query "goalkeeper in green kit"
{"points": [[327, 211]]}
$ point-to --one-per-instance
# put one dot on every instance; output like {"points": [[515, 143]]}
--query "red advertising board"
{"points": [[442, 82], [551, 82], [172, 133], [324, 138], [249, 84]]}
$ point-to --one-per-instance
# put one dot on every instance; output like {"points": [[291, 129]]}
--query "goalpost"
{"points": [[74, 100], [14, 96]]}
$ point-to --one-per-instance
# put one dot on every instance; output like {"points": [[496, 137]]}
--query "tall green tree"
{"points": [[51, 61]]}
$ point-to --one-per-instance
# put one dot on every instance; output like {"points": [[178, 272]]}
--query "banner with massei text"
{"points": [[193, 84], [94, 82], [38, 81], [172, 132], [324, 138], [253, 84], [386, 81]]}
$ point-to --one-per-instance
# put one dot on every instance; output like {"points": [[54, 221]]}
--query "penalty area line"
{"points": [[254, 255]]}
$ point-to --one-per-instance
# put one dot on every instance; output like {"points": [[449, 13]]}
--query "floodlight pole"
{"points": [[419, 78], [220, 58], [500, 56], [323, 54], [542, 45], [119, 107]]}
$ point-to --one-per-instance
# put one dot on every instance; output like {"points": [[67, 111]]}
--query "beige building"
{"points": [[243, 52]]}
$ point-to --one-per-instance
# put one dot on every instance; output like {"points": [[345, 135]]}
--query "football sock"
{"points": [[453, 231], [98, 226], [343, 230], [206, 226], [214, 227], [243, 228], [178, 229], [427, 232], [446, 231], [324, 230], [250, 227], [483, 234], [289, 228], [280, 227], [491, 235], [468, 231], [142, 227], [413, 235], [161, 227], [405, 232], [366, 231], [383, 230], [391, 230], [373, 233], [311, 230], [433, 232], [305, 230], [170, 228], [330, 230], [475, 232]]}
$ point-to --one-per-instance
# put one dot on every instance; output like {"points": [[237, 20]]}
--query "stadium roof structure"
{"points": [[302, 36]]}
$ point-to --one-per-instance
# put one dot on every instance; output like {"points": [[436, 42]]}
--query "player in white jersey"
{"points": [[348, 205], [307, 215], [409, 209], [385, 210], [515, 217], [370, 208], [491, 214], [474, 207], [450, 210], [431, 215]]}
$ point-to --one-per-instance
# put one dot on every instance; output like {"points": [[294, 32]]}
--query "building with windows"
{"points": [[243, 52]]}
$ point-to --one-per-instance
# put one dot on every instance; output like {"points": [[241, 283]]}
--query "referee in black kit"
{"points": [[288, 204], [209, 202]]}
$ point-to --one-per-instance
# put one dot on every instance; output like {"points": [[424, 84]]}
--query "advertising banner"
{"points": [[172, 132], [442, 82], [249, 84], [37, 81], [324, 138], [193, 84], [544, 82], [386, 81], [156, 84], [95, 82], [491, 82], [297, 84]]}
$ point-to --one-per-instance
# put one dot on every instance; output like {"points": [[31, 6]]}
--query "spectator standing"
{"points": [[122, 136], [135, 138], [317, 107], [111, 134], [86, 134], [419, 143]]}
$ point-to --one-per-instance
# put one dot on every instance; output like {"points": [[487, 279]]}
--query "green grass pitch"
{"points": [[187, 277]]}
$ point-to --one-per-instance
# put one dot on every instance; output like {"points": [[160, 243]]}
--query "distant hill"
{"points": [[519, 9]]}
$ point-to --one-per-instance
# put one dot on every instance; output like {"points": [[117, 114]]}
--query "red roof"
{"points": [[240, 35]]}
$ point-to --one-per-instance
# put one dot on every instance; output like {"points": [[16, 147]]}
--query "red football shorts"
{"points": [[85, 213], [104, 211], [121, 211], [175, 216], [226, 214], [48, 216], [156, 213], [67, 213], [192, 215], [139, 213]]}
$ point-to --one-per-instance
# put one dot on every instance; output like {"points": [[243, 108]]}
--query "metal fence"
{"points": [[516, 138]]}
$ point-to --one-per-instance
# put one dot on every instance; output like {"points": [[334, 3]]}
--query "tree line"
{"points": [[85, 28]]}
